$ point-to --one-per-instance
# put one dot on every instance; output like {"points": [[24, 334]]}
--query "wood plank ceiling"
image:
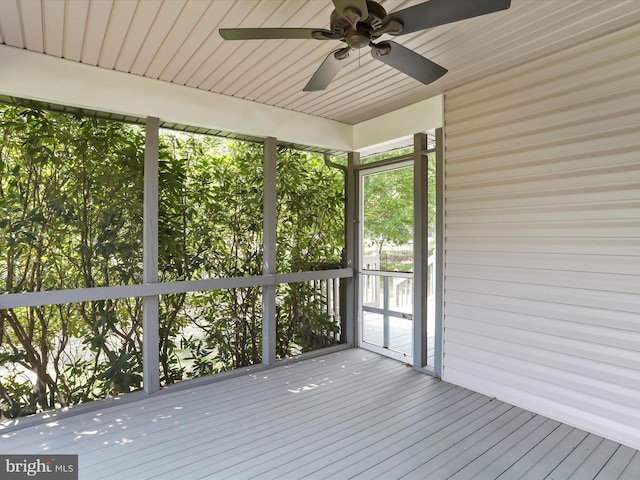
{"points": [[177, 41]]}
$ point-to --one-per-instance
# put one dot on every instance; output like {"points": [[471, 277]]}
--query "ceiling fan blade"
{"points": [[438, 12], [407, 61], [359, 5], [272, 33], [327, 70]]}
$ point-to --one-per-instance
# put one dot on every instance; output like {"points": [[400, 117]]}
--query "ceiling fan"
{"points": [[359, 22]]}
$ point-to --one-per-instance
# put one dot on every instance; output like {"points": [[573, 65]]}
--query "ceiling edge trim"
{"points": [[416, 118], [44, 78]]}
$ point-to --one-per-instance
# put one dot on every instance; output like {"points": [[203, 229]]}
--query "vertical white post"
{"points": [[150, 306], [269, 252], [439, 266], [351, 247], [420, 249]]}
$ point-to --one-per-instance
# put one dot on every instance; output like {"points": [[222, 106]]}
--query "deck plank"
{"points": [[632, 472], [614, 468], [348, 414], [429, 447], [390, 415], [536, 454], [368, 455], [501, 463], [577, 457], [596, 460], [290, 428], [231, 394], [357, 416], [248, 424], [477, 464], [423, 441], [545, 465], [360, 436], [475, 444]]}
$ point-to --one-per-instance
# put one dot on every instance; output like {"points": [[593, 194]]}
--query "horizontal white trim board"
{"points": [[419, 117], [86, 86], [542, 257], [53, 297]]}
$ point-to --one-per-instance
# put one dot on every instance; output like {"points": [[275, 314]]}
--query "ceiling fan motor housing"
{"points": [[339, 25], [376, 15], [358, 34]]}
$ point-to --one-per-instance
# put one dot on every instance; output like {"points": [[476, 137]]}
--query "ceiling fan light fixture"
{"points": [[358, 39]]}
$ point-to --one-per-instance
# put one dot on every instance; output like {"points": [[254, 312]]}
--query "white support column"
{"points": [[351, 247], [150, 306], [420, 249], [439, 266], [269, 252]]}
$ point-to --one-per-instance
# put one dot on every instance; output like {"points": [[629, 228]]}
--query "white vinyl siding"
{"points": [[542, 226]]}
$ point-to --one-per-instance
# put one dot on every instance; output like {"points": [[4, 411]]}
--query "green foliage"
{"points": [[70, 197], [310, 234], [210, 226], [388, 213], [389, 206], [310, 213], [304, 321], [71, 205]]}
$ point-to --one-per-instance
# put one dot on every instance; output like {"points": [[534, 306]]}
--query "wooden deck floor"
{"points": [[349, 414]]}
